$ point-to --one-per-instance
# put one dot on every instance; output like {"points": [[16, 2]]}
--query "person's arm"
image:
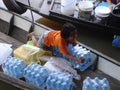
{"points": [[34, 40], [79, 59], [33, 37], [109, 4]]}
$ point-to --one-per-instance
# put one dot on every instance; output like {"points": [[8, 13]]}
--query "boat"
{"points": [[13, 30], [51, 9]]}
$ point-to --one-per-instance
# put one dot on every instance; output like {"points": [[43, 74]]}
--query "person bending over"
{"points": [[59, 39]]}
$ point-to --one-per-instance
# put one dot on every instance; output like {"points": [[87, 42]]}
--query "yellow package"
{"points": [[30, 53]]}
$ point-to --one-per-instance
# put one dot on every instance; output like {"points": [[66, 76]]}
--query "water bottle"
{"points": [[105, 81], [105, 84], [6, 69], [96, 86], [87, 87], [105, 87], [61, 78], [15, 71], [68, 85], [23, 65], [37, 69], [44, 72], [48, 83], [69, 76], [43, 82], [19, 68], [97, 81], [58, 85], [33, 77], [53, 84], [10, 70], [87, 84], [28, 77], [65, 86], [33, 66]]}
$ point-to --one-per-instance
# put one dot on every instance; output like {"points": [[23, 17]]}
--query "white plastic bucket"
{"points": [[85, 6], [101, 12], [68, 7]]}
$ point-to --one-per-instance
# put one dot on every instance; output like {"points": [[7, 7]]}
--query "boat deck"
{"points": [[18, 84]]}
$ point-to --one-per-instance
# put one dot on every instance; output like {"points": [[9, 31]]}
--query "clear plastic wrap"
{"points": [[60, 65]]}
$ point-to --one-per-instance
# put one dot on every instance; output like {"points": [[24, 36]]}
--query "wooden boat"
{"points": [[51, 9], [13, 30]]}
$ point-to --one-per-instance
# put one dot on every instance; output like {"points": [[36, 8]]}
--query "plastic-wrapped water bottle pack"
{"points": [[59, 81], [79, 51], [95, 84], [36, 75], [13, 67], [76, 51]]}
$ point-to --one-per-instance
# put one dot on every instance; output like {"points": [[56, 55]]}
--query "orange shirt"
{"points": [[53, 38]]}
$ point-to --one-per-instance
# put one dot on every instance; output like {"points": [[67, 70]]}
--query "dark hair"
{"points": [[67, 29]]}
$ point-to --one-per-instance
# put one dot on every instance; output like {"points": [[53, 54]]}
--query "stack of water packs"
{"points": [[13, 67], [79, 51], [95, 84], [36, 75], [59, 81]]}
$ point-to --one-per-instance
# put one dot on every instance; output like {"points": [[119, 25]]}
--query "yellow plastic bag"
{"points": [[30, 53]]}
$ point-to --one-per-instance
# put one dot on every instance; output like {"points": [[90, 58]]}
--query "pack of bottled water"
{"points": [[36, 74], [95, 84], [13, 67], [79, 51], [59, 81]]}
